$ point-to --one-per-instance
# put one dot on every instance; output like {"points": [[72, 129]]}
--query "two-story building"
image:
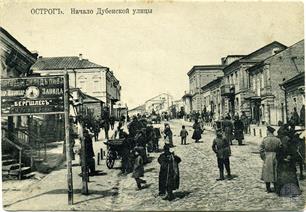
{"points": [[266, 99], [93, 79], [198, 77], [235, 83]]}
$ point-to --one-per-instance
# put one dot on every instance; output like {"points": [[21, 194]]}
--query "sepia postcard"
{"points": [[152, 105]]}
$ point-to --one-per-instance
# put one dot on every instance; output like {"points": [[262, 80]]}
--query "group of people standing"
{"points": [[280, 155]]}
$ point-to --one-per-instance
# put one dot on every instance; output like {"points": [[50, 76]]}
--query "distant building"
{"points": [[267, 100], [235, 84], [137, 110], [93, 79], [198, 77], [160, 103], [187, 102]]}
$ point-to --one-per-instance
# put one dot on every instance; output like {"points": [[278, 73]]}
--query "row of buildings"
{"points": [[266, 84]]}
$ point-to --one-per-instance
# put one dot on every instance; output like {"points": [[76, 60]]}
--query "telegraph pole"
{"points": [[67, 137]]}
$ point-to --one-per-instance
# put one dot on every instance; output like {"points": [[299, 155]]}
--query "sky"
{"points": [[152, 53]]}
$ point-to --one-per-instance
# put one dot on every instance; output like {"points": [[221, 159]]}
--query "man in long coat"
{"points": [[89, 152], [138, 170], [169, 178], [269, 151], [238, 130], [222, 148]]}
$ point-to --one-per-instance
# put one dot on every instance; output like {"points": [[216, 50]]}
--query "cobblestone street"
{"points": [[199, 189]]}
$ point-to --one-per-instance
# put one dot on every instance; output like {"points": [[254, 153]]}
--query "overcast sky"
{"points": [[152, 53]]}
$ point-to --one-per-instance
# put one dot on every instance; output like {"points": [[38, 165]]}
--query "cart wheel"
{"points": [[110, 160]]}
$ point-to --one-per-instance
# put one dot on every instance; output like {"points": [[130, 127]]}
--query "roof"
{"points": [[60, 63], [262, 62], [6, 33], [140, 107], [212, 83], [86, 98], [205, 67], [158, 96], [252, 53], [300, 76]]}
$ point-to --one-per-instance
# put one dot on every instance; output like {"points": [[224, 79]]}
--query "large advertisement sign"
{"points": [[32, 95]]}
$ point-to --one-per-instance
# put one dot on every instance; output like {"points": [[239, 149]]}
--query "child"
{"points": [[138, 171], [183, 135]]}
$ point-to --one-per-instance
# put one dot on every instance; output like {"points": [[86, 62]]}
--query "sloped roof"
{"points": [[140, 107], [60, 63], [247, 57]]}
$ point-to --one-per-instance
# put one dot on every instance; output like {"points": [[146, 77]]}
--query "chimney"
{"points": [[80, 56]]}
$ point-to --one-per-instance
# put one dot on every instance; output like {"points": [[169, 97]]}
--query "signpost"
{"points": [[39, 95]]}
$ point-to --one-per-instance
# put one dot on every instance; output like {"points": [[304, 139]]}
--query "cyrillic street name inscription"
{"points": [[32, 95]]}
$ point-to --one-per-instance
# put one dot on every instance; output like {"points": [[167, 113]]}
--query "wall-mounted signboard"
{"points": [[32, 95]]}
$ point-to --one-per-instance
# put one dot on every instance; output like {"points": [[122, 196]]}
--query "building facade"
{"points": [[198, 77], [212, 98], [267, 100], [294, 91], [187, 102], [235, 84], [160, 103], [93, 79]]}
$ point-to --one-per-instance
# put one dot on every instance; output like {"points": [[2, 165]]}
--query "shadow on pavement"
{"points": [[181, 194], [101, 194]]}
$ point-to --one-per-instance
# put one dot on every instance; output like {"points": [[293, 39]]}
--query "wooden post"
{"points": [[98, 159], [20, 158], [101, 153], [68, 155], [83, 162]]}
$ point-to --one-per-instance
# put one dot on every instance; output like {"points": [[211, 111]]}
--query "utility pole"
{"points": [[67, 137]]}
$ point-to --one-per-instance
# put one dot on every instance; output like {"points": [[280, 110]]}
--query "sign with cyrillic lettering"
{"points": [[32, 95]]}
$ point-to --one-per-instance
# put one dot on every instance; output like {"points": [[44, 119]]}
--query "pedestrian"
{"points": [[138, 170], [112, 122], [295, 119], [197, 131], [169, 178], [183, 135], [168, 135], [222, 148], [89, 153], [245, 122], [227, 127], [106, 128], [269, 152], [286, 169], [238, 130]]}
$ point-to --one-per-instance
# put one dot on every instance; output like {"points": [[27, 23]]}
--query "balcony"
{"points": [[266, 91], [227, 90]]}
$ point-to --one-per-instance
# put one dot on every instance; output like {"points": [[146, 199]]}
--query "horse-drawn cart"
{"points": [[116, 149]]}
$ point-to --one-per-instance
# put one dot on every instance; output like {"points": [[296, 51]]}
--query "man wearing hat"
{"points": [[269, 150], [138, 170], [169, 177], [221, 147]]}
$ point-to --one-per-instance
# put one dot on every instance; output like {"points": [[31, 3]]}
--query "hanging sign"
{"points": [[32, 95]]}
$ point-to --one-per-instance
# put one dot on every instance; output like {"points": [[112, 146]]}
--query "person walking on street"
{"points": [[168, 135], [169, 178], [245, 122], [269, 151], [238, 130], [89, 152], [197, 131], [227, 127], [138, 170], [183, 135], [112, 122], [222, 148]]}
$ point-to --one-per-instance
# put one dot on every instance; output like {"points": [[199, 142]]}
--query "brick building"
{"points": [[235, 83], [266, 99], [198, 77]]}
